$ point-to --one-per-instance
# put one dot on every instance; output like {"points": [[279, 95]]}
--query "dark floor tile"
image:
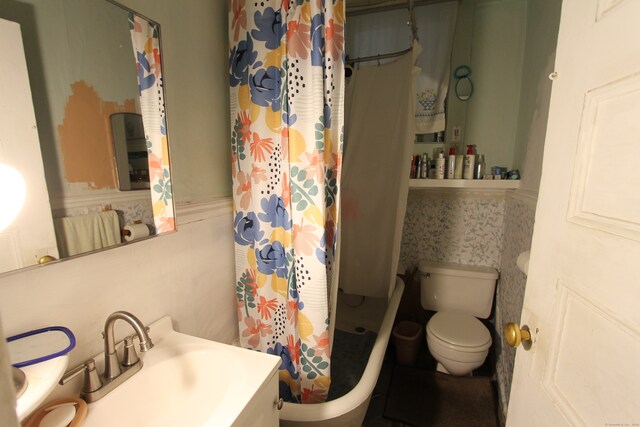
{"points": [[375, 412]]}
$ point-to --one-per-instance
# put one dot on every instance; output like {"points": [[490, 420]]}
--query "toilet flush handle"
{"points": [[514, 335]]}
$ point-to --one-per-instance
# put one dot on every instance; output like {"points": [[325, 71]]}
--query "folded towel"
{"points": [[84, 233]]}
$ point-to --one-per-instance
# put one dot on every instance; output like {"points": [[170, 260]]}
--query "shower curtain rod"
{"points": [[414, 36], [375, 9], [377, 57]]}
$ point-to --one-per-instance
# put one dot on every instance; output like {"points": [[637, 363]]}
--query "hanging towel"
{"points": [[387, 32], [84, 233], [436, 25]]}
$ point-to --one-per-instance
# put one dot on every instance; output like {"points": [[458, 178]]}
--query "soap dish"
{"points": [[70, 411]]}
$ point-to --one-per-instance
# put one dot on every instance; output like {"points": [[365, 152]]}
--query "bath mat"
{"points": [[431, 399]]}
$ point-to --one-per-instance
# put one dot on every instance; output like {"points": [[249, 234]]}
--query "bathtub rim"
{"points": [[362, 391]]}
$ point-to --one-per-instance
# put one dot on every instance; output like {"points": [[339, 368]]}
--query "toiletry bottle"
{"points": [[451, 163], [459, 166], [423, 166], [440, 162], [469, 163], [479, 168], [432, 169], [418, 161]]}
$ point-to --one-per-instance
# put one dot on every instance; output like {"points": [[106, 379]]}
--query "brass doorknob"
{"points": [[514, 335], [45, 259]]}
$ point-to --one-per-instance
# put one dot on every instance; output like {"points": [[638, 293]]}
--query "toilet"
{"points": [[460, 295]]}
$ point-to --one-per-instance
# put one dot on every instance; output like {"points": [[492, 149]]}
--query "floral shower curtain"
{"points": [[146, 48], [287, 90]]}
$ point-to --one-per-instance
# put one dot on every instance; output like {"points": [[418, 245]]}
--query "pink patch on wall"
{"points": [[85, 137]]}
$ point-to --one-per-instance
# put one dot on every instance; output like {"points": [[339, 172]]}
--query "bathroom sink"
{"points": [[185, 381]]}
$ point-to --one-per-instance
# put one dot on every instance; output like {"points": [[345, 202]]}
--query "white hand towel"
{"points": [[84, 233]]}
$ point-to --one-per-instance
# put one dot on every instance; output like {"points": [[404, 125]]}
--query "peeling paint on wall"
{"points": [[85, 137]]}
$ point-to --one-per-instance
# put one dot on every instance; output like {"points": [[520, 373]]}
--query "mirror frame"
{"points": [[57, 205]]}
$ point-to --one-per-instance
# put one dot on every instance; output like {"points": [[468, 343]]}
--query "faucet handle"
{"points": [[130, 356], [91, 378]]}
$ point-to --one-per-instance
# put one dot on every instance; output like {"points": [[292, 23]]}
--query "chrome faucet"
{"points": [[115, 373], [112, 367]]}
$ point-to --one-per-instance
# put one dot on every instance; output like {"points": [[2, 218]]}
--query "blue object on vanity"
{"points": [[29, 348]]}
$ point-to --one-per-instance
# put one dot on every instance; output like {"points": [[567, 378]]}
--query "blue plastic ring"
{"points": [[66, 331]]}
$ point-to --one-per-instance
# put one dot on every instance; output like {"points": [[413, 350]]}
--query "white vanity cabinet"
{"points": [[262, 409], [188, 381]]}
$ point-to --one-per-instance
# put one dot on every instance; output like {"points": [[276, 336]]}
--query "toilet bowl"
{"points": [[458, 342], [459, 294]]}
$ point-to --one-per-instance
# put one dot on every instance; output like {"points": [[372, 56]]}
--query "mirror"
{"points": [[95, 76], [130, 146]]}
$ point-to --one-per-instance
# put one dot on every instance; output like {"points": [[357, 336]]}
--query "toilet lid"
{"points": [[460, 330]]}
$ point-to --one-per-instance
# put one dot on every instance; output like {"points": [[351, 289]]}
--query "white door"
{"points": [[582, 299], [31, 235]]}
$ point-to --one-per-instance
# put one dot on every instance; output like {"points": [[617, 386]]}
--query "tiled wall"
{"points": [[452, 226], [518, 230]]}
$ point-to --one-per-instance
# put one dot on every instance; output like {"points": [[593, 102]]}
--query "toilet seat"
{"points": [[459, 332]]}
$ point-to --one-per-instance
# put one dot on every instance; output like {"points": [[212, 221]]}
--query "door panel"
{"points": [[583, 287], [31, 235], [605, 192]]}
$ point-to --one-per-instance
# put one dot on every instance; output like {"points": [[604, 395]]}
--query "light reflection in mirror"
{"points": [[12, 194]]}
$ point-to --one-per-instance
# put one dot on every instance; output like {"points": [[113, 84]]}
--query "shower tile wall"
{"points": [[453, 226], [518, 230]]}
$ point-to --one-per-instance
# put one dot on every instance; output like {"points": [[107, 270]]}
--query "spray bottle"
{"points": [[479, 169], [424, 166], [451, 163], [440, 164]]}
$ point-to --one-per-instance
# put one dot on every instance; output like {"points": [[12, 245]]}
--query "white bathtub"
{"points": [[350, 409]]}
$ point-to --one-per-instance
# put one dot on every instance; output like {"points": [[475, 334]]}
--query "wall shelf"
{"points": [[479, 184]]}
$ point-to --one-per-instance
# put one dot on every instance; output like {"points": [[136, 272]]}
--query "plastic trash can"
{"points": [[406, 338]]}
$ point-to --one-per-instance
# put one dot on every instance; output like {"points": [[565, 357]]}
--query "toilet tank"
{"points": [[457, 288]]}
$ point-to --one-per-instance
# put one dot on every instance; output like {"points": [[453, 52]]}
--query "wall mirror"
{"points": [[95, 77]]}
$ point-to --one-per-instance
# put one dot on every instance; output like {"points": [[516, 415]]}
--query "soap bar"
{"points": [[59, 416]]}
